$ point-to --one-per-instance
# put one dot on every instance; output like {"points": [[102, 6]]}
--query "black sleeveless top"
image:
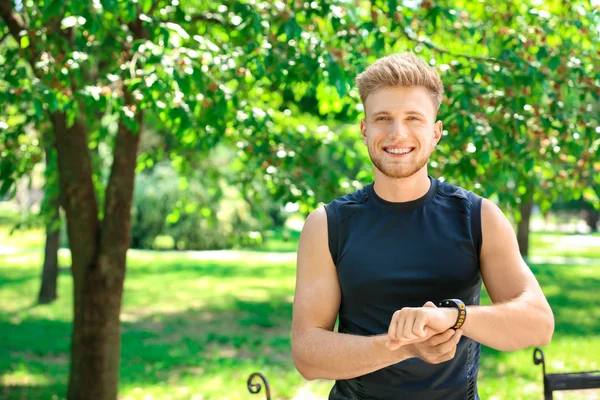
{"points": [[393, 255]]}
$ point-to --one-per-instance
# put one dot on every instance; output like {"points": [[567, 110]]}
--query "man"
{"points": [[390, 259]]}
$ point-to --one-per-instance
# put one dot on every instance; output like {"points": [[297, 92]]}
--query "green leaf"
{"points": [[545, 205], [392, 5], [130, 123], [485, 158], [554, 63], [24, 41], [134, 83], [336, 80], [52, 102], [146, 6], [53, 9], [6, 185], [39, 109], [529, 164], [542, 53], [71, 115]]}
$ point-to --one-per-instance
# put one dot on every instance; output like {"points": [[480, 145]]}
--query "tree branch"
{"points": [[115, 231], [16, 25], [209, 17], [115, 236], [488, 60], [212, 18], [12, 19]]}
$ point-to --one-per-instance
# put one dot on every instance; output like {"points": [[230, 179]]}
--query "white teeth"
{"points": [[399, 151]]}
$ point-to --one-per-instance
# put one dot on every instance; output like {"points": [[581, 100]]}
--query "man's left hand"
{"points": [[417, 324]]}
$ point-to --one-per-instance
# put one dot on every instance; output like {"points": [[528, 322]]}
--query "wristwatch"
{"points": [[460, 306]]}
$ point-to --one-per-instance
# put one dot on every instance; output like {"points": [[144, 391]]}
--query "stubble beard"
{"points": [[397, 170]]}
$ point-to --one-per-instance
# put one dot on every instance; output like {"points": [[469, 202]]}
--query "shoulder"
{"points": [[493, 220], [317, 219], [454, 194], [314, 240], [357, 197]]}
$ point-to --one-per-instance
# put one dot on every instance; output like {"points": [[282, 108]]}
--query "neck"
{"points": [[399, 190]]}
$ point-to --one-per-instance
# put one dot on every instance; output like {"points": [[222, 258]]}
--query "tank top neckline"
{"points": [[404, 205]]}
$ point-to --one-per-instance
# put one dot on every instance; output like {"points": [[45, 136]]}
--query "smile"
{"points": [[399, 151]]}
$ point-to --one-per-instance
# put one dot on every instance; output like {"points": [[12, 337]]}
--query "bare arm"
{"points": [[520, 316], [318, 352]]}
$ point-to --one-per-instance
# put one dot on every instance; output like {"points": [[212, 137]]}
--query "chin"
{"points": [[399, 172]]}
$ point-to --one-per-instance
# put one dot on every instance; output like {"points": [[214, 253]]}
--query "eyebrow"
{"points": [[410, 112]]}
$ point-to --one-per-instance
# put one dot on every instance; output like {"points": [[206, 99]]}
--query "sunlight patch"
{"points": [[305, 394], [22, 378], [7, 250]]}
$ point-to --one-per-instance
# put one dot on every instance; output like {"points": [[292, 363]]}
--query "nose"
{"points": [[397, 129]]}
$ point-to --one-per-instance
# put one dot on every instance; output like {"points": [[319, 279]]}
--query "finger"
{"points": [[400, 324], [447, 356], [420, 324], [409, 323], [442, 337], [392, 330], [430, 305], [458, 336], [450, 345]]}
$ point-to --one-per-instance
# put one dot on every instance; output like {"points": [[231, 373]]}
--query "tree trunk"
{"points": [[591, 218], [51, 206], [50, 269], [523, 226], [99, 253]]}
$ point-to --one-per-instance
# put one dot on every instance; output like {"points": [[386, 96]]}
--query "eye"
{"points": [[413, 119], [382, 118]]}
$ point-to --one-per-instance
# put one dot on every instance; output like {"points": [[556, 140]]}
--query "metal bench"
{"points": [[565, 381], [256, 387]]}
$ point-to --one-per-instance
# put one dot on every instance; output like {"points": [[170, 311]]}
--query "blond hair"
{"points": [[400, 70]]}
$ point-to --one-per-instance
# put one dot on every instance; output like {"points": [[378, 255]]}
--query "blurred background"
{"points": [[200, 134]]}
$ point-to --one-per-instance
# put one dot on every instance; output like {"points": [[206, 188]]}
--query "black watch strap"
{"points": [[460, 306]]}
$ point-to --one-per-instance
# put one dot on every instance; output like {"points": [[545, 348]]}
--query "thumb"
{"points": [[429, 304]]}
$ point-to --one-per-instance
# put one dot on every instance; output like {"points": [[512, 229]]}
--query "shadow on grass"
{"points": [[160, 349], [572, 292], [27, 392]]}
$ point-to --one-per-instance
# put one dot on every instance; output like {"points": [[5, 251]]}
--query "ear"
{"points": [[363, 130], [438, 127]]}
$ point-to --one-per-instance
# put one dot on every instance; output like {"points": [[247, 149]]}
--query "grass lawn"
{"points": [[196, 325]]}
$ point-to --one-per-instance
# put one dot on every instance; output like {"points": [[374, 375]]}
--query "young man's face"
{"points": [[400, 120]]}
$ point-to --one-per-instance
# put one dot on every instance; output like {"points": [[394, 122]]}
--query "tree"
{"points": [[51, 211], [121, 60]]}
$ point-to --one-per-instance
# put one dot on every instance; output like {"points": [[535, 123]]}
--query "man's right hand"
{"points": [[438, 348]]}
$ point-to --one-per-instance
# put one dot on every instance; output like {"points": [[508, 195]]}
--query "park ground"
{"points": [[197, 324]]}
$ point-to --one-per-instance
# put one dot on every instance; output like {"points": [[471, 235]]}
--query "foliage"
{"points": [[521, 81], [178, 213]]}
